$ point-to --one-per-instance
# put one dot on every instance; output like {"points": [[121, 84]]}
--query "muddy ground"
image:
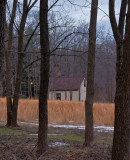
{"points": [[21, 143]]}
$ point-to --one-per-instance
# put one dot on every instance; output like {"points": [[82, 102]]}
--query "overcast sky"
{"points": [[79, 13], [83, 13]]}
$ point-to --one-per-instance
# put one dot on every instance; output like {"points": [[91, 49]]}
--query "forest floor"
{"points": [[64, 143]]}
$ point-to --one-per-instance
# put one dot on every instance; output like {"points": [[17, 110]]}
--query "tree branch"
{"points": [[53, 5], [115, 29], [30, 6], [122, 16], [31, 36], [11, 17]]}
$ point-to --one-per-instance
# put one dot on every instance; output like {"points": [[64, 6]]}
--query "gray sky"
{"points": [[83, 13], [79, 13]]}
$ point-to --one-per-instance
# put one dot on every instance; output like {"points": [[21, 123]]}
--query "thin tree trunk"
{"points": [[8, 66], [26, 9], [20, 63], [44, 78], [90, 76], [2, 44]]}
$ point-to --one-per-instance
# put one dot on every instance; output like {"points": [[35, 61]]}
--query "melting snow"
{"points": [[34, 134], [48, 134], [56, 144], [105, 128], [56, 134], [99, 128]]}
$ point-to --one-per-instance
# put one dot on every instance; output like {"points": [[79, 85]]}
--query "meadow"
{"points": [[62, 112]]}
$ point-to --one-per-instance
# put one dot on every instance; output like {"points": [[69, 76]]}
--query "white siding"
{"points": [[65, 95], [82, 92]]}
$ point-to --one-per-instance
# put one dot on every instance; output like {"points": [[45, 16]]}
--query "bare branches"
{"points": [[87, 6], [115, 29], [53, 5], [83, 6], [30, 6], [31, 36], [58, 55], [11, 17]]}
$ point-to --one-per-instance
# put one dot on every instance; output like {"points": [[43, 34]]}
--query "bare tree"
{"points": [[90, 76], [20, 62], [121, 143], [13, 106], [8, 64], [2, 43], [44, 78]]}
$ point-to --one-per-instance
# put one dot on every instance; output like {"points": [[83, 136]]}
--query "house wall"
{"points": [[65, 95], [79, 95], [82, 91]]}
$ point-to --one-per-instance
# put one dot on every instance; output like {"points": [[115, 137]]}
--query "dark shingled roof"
{"points": [[64, 83]]}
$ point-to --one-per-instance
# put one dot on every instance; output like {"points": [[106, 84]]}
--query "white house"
{"points": [[64, 88]]}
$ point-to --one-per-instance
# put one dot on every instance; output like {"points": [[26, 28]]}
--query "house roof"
{"points": [[65, 83]]}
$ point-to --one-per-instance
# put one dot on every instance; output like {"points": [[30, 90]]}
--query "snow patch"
{"points": [[99, 128], [33, 134], [105, 128], [36, 134], [57, 144]]}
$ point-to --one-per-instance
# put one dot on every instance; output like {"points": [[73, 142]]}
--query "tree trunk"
{"points": [[44, 78], [8, 66], [26, 9], [90, 76], [20, 63], [121, 143], [2, 43]]}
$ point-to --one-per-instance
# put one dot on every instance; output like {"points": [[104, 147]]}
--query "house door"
{"points": [[58, 96]]}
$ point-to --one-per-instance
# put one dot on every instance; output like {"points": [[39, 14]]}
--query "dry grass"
{"points": [[62, 112]]}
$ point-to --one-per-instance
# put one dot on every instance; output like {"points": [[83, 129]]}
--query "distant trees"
{"points": [[90, 75], [2, 41], [121, 143]]}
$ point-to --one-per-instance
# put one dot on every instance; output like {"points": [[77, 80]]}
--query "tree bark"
{"points": [[90, 76], [2, 43], [26, 8], [44, 78], [20, 63], [121, 143], [8, 66]]}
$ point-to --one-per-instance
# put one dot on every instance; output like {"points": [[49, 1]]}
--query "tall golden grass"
{"points": [[62, 112]]}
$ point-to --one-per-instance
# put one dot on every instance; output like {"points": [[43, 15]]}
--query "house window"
{"points": [[70, 95], [85, 83], [58, 96]]}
